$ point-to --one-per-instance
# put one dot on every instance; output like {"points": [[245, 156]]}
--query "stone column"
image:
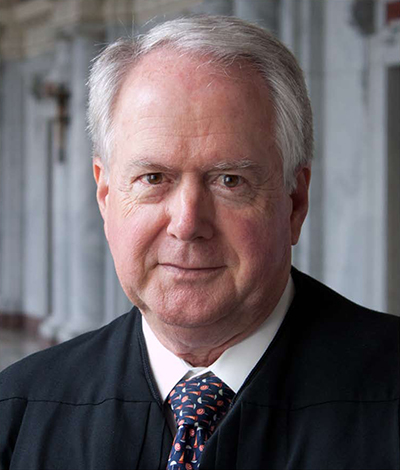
{"points": [[263, 12], [355, 183], [59, 76], [60, 261], [38, 114], [11, 187], [85, 231]]}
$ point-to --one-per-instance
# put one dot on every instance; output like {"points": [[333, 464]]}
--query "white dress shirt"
{"points": [[234, 364]]}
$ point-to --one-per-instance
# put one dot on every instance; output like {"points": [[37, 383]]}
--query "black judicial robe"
{"points": [[325, 395]]}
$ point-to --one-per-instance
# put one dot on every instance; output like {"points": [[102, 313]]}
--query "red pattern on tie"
{"points": [[198, 404]]}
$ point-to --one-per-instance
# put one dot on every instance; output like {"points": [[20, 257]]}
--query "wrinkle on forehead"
{"points": [[195, 74], [184, 106], [172, 60]]}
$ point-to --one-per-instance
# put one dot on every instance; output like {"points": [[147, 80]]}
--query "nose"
{"points": [[190, 212]]}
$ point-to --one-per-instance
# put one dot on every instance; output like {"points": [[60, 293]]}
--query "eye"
{"points": [[154, 178], [231, 181]]}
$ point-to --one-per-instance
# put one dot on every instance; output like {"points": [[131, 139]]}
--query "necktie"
{"points": [[198, 404]]}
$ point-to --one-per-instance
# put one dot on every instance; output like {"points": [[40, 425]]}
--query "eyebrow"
{"points": [[241, 164], [147, 164]]}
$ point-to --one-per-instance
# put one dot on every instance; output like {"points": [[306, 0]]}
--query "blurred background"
{"points": [[57, 278]]}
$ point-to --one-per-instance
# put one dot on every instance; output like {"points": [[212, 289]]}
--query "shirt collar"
{"points": [[234, 364]]}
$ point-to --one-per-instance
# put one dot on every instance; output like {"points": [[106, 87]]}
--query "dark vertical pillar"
{"points": [[393, 180]]}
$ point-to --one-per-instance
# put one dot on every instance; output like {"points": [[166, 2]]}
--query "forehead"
{"points": [[172, 99], [167, 73], [193, 70]]}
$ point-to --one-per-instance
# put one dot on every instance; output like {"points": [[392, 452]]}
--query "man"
{"points": [[203, 140]]}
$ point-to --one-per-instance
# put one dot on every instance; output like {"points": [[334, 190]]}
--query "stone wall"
{"points": [[54, 263]]}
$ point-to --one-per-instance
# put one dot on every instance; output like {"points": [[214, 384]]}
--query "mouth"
{"points": [[183, 270], [189, 268]]}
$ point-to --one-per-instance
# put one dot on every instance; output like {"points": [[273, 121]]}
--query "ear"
{"points": [[299, 202], [100, 177]]}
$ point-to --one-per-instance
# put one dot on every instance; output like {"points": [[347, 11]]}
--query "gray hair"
{"points": [[226, 40]]}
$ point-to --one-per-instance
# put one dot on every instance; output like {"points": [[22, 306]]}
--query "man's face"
{"points": [[198, 220]]}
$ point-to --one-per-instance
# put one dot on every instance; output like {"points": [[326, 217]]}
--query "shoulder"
{"points": [[320, 298], [337, 342], [326, 313], [72, 371]]}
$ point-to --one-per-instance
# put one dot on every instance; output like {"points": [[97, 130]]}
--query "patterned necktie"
{"points": [[198, 404]]}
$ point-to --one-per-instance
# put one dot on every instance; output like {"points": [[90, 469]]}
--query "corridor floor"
{"points": [[16, 344]]}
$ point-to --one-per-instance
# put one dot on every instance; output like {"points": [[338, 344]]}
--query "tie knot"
{"points": [[200, 401]]}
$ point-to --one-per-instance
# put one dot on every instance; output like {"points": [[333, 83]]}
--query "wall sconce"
{"points": [[57, 91]]}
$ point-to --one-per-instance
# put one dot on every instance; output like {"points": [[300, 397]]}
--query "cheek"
{"points": [[131, 235], [260, 242]]}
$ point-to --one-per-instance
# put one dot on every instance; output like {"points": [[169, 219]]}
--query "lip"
{"points": [[190, 270]]}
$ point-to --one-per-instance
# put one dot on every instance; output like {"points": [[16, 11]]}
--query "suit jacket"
{"points": [[325, 395]]}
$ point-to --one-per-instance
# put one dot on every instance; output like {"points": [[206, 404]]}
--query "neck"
{"points": [[202, 346]]}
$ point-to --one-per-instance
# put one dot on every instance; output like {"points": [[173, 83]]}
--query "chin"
{"points": [[188, 311]]}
